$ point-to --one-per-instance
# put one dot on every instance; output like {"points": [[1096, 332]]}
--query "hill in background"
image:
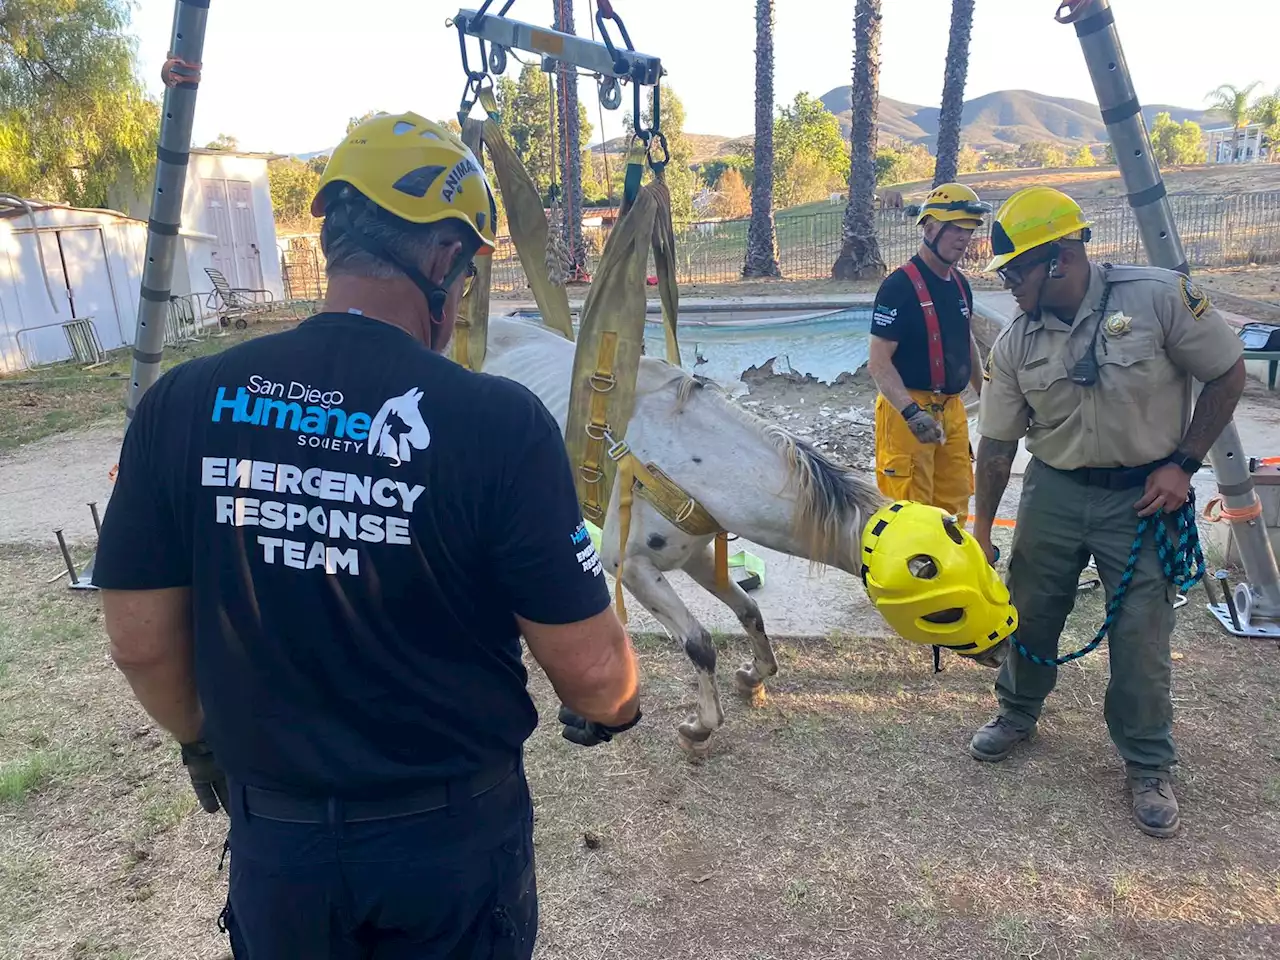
{"points": [[1002, 119]]}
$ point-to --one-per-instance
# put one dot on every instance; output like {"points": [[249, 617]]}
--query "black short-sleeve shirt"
{"points": [[899, 316], [358, 519]]}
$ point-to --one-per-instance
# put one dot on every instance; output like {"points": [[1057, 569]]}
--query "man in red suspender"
{"points": [[922, 356]]}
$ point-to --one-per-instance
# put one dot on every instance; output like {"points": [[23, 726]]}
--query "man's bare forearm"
{"points": [[975, 368], [995, 463], [889, 382], [1214, 409], [166, 689]]}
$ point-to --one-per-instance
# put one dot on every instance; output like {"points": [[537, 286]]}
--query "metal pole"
{"points": [[181, 75], [1094, 23]]}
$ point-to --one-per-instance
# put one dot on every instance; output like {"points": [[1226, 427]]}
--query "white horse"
{"points": [[755, 478]]}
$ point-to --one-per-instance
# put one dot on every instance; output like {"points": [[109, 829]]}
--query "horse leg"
{"points": [[651, 588], [751, 675]]}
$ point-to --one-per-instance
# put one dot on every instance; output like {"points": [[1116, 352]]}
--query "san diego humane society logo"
{"points": [[320, 419]]}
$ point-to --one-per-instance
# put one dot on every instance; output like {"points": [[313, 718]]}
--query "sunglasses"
{"points": [[1014, 274], [976, 207]]}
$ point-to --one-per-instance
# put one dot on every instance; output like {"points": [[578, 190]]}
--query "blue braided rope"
{"points": [[1183, 566]]}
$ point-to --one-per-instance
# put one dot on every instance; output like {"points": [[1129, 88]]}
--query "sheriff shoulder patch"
{"points": [[1197, 300]]}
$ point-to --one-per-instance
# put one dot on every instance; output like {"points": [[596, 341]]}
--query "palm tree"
{"points": [[953, 92], [859, 249], [1233, 104], [762, 239], [1266, 111], [570, 159]]}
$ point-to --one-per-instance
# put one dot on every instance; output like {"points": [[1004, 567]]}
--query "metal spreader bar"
{"points": [[1254, 609], [605, 59]]}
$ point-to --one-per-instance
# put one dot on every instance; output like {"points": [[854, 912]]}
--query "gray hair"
{"points": [[352, 212]]}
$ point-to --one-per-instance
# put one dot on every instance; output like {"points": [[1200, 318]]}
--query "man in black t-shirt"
{"points": [[320, 555], [922, 354]]}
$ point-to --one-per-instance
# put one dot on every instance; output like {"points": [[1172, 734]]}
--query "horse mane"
{"points": [[831, 497]]}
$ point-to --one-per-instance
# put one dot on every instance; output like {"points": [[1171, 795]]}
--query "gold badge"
{"points": [[1195, 298], [1117, 325]]}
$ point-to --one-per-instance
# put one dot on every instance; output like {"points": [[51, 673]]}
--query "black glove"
{"points": [[587, 732], [207, 778]]}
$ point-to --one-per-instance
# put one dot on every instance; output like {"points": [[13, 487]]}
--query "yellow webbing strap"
{"points": [[670, 500], [664, 258], [593, 489], [607, 359], [527, 223], [471, 336], [722, 559], [627, 479]]}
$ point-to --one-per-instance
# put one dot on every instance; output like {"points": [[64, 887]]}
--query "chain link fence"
{"points": [[1217, 231]]}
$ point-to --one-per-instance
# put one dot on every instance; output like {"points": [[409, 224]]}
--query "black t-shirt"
{"points": [[898, 316], [358, 519]]}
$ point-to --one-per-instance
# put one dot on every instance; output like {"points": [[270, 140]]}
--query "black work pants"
{"points": [[450, 884]]}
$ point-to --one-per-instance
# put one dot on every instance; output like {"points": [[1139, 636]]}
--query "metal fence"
{"points": [[1217, 231]]}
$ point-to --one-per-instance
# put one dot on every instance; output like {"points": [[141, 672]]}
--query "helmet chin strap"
{"points": [[933, 244], [435, 294]]}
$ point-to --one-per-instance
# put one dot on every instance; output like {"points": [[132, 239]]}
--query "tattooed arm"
{"points": [[995, 462], [1213, 411]]}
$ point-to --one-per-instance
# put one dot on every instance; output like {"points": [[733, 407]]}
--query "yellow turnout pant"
{"points": [[933, 473]]}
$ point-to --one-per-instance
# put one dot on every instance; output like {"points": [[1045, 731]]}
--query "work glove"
{"points": [[588, 733], [922, 425], [207, 778]]}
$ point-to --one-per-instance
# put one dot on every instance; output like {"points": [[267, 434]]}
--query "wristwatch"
{"points": [[910, 410], [1188, 464]]}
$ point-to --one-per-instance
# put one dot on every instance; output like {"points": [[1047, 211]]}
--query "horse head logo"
{"points": [[399, 429]]}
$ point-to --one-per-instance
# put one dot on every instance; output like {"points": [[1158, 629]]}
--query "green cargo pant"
{"points": [[1060, 523]]}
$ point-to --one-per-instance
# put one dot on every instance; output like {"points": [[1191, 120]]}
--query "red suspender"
{"points": [[937, 369]]}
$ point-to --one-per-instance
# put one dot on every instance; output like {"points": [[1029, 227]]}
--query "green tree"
{"points": [[1084, 157], [810, 158], [902, 162], [1232, 103], [710, 171], [968, 160], [1038, 153], [1175, 144], [318, 163], [293, 184], [223, 141], [860, 257], [1266, 111], [74, 119], [525, 107]]}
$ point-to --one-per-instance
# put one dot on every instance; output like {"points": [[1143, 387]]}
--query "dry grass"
{"points": [[838, 818], [65, 396]]}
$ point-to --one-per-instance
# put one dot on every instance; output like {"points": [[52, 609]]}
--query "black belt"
{"points": [[273, 805], [1111, 478]]}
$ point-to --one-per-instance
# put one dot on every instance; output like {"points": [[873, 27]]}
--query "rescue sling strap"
{"points": [[933, 330]]}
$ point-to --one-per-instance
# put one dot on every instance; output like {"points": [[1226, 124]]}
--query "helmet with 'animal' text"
{"points": [[931, 582], [1032, 217], [416, 169], [954, 203]]}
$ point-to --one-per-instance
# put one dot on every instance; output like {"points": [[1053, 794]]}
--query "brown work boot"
{"points": [[1155, 808], [996, 739]]}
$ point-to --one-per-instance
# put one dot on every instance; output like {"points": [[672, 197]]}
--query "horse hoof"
{"points": [[746, 683], [694, 749]]}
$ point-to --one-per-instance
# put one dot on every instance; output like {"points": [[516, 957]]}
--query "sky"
{"points": [[286, 75]]}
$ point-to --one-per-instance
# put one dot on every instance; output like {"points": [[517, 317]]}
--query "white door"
{"points": [[84, 257], [219, 217], [244, 231]]}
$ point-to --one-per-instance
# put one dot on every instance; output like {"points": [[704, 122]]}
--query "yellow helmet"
{"points": [[955, 203], [416, 169], [931, 582], [1031, 217]]}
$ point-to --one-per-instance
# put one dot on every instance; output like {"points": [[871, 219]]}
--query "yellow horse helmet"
{"points": [[931, 582]]}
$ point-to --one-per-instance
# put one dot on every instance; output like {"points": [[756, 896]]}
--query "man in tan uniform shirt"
{"points": [[1097, 374]]}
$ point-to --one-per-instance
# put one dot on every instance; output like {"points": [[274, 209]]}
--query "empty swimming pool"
{"points": [[721, 346]]}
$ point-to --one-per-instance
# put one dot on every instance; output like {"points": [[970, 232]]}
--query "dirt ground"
{"points": [[838, 817]]}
